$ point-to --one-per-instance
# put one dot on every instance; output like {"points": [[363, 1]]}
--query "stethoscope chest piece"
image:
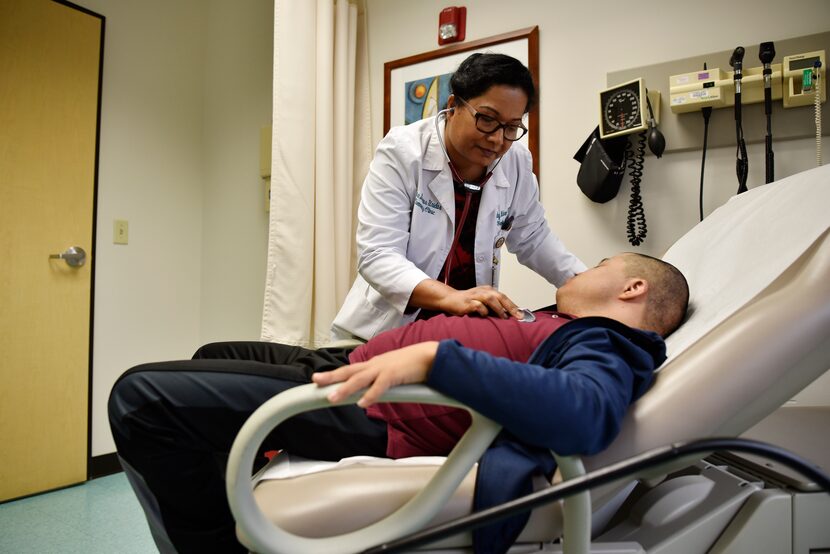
{"points": [[527, 316]]}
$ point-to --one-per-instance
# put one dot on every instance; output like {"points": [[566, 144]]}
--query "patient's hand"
{"points": [[398, 367]]}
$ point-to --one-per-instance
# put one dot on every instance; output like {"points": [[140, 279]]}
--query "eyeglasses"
{"points": [[489, 125]]}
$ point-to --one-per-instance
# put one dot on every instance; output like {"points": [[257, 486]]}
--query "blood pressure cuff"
{"points": [[603, 166]]}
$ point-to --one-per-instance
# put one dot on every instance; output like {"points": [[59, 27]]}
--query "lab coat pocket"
{"points": [[365, 312], [379, 311]]}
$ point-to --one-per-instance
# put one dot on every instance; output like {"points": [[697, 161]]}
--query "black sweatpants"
{"points": [[174, 424]]}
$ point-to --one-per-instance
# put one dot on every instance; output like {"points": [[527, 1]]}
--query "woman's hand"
{"points": [[398, 367], [484, 300]]}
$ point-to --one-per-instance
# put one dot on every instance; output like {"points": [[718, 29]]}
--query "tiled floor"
{"points": [[99, 516]]}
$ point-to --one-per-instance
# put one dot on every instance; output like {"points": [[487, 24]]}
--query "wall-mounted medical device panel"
{"points": [[753, 84], [715, 88], [683, 132], [697, 90], [800, 78]]}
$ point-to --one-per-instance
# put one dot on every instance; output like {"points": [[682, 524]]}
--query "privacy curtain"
{"points": [[320, 154]]}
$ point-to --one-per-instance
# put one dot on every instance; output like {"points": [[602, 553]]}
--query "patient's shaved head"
{"points": [[635, 289], [668, 292]]}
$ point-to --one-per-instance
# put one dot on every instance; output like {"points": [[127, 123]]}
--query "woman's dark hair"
{"points": [[479, 72]]}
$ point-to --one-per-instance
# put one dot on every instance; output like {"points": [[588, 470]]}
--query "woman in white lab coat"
{"points": [[442, 196]]}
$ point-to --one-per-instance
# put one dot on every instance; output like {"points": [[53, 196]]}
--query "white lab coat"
{"points": [[406, 221]]}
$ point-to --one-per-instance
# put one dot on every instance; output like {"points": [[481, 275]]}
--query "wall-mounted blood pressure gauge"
{"points": [[622, 109]]}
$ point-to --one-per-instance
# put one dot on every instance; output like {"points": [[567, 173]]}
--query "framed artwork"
{"points": [[418, 86]]}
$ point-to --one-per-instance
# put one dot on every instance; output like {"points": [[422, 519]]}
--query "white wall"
{"points": [[150, 173], [186, 87], [237, 103], [578, 46]]}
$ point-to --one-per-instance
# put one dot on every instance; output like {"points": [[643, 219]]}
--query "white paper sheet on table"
{"points": [[286, 465], [766, 229]]}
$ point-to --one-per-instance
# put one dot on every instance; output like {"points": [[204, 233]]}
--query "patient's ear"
{"points": [[634, 288]]}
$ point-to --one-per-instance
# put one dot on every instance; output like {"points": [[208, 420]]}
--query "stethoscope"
{"points": [[470, 188], [527, 316]]}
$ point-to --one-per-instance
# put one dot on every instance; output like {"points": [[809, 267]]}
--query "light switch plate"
{"points": [[120, 231]]}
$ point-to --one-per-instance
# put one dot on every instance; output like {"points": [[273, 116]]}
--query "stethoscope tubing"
{"points": [[475, 187], [470, 188]]}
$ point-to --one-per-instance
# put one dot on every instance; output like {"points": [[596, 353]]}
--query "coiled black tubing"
{"points": [[636, 221]]}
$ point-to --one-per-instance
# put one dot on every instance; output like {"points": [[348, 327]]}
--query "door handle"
{"points": [[74, 256]]}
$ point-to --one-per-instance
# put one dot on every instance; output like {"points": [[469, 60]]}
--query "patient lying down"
{"points": [[641, 292], [561, 382]]}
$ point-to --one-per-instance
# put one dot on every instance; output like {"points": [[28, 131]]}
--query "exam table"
{"points": [[758, 332]]}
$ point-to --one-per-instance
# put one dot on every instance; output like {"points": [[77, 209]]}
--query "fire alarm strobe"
{"points": [[452, 24]]}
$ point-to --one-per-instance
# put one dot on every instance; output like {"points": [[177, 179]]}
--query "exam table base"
{"points": [[718, 506]]}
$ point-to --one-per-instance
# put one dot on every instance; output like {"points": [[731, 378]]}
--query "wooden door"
{"points": [[50, 65]]}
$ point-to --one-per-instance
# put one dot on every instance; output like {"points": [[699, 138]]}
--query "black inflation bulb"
{"points": [[656, 140]]}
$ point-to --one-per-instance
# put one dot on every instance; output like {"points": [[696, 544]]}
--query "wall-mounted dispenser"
{"points": [[795, 91], [715, 88]]}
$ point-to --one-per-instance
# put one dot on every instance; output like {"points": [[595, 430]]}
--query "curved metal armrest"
{"points": [[576, 510], [265, 537]]}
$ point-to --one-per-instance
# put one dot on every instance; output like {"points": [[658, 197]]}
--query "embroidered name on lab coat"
{"points": [[428, 206]]}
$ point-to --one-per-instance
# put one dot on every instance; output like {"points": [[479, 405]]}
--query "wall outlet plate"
{"points": [[120, 231]]}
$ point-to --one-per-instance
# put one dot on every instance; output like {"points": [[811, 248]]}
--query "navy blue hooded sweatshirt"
{"points": [[569, 397]]}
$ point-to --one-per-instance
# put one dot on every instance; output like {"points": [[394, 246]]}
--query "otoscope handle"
{"points": [[742, 166]]}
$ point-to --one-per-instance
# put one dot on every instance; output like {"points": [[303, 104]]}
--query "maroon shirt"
{"points": [[426, 430], [463, 269], [460, 259]]}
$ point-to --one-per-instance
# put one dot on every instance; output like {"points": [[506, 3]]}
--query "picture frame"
{"points": [[421, 82]]}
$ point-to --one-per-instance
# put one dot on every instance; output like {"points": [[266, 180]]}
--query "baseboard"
{"points": [[103, 465]]}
